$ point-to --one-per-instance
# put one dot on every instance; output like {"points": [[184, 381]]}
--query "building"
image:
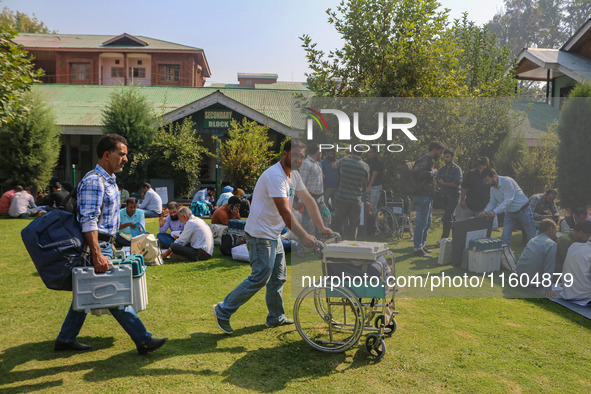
{"points": [[560, 68], [115, 60], [78, 110]]}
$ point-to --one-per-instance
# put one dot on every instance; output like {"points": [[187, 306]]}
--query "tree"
{"points": [[176, 152], [30, 147], [510, 155], [245, 153], [17, 76], [537, 170], [22, 22], [129, 114], [573, 158], [392, 48]]}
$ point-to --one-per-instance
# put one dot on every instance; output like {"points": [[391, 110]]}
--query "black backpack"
{"points": [[406, 183], [230, 240]]}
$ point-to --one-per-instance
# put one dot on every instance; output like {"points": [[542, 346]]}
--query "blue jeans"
{"points": [[525, 218], [165, 240], [150, 214], [267, 260], [127, 317], [424, 208]]}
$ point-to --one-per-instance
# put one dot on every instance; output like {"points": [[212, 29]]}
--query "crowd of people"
{"points": [[329, 193]]}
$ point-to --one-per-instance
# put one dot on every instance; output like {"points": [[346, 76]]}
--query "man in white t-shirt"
{"points": [[270, 212]]}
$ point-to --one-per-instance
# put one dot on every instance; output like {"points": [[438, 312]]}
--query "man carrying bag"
{"points": [[98, 202]]}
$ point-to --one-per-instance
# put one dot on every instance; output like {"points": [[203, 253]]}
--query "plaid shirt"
{"points": [[92, 192], [311, 173]]}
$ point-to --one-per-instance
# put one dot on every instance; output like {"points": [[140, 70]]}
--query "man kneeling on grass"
{"points": [[196, 240]]}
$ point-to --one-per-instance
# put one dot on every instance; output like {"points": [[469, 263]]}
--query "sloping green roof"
{"points": [[87, 41], [82, 105], [537, 117]]}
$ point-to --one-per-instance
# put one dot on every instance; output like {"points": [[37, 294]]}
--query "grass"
{"points": [[442, 344]]}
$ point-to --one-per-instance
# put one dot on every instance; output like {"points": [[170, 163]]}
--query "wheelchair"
{"points": [[333, 318], [394, 216]]}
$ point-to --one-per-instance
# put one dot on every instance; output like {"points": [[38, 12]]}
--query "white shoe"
{"points": [[439, 241]]}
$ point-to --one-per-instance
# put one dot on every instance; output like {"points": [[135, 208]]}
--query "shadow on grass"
{"points": [[271, 369], [128, 364], [561, 311]]}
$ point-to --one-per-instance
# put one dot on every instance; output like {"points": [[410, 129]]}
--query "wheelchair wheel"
{"points": [[328, 320], [385, 221], [375, 346], [389, 329]]}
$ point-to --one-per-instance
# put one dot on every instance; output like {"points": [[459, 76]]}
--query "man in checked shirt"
{"points": [[97, 192]]}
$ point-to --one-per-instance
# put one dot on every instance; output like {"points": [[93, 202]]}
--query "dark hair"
{"points": [[28, 188], [551, 191], [488, 172], [546, 225], [146, 184], [109, 143], [211, 188], [435, 145], [120, 185], [18, 188], [293, 143], [172, 205], [312, 148], [583, 226], [449, 152], [483, 160], [580, 212], [131, 200], [233, 201], [57, 185]]}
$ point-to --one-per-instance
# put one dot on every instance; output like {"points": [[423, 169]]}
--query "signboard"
{"points": [[163, 193], [465, 230], [219, 119]]}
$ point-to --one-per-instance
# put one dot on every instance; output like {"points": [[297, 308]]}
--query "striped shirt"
{"points": [[354, 172], [92, 191]]}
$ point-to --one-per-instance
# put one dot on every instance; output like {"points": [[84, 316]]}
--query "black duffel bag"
{"points": [[56, 244]]}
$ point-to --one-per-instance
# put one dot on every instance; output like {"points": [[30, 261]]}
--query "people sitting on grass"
{"points": [[58, 199], [151, 202], [539, 256], [578, 264], [23, 205], [580, 233], [543, 206], [227, 193], [6, 199], [196, 240], [578, 215], [132, 222], [205, 196], [172, 223], [124, 194], [226, 212]]}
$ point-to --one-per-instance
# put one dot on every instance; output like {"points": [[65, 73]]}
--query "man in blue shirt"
{"points": [[539, 256], [506, 196], [98, 203], [449, 178], [129, 217]]}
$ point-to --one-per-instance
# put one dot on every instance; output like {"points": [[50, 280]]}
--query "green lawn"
{"points": [[442, 344]]}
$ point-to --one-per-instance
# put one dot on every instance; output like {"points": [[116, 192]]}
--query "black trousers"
{"points": [[189, 252], [344, 211], [450, 204]]}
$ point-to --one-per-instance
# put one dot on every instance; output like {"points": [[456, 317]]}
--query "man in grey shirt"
{"points": [[23, 204], [539, 256]]}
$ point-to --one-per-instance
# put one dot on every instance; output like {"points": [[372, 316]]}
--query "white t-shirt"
{"points": [[264, 220]]}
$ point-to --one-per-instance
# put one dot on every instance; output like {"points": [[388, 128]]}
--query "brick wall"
{"points": [[189, 73], [63, 61]]}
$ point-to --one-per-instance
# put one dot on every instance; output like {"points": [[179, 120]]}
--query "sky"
{"points": [[256, 36]]}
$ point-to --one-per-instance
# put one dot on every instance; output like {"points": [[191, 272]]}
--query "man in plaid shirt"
{"points": [[98, 203]]}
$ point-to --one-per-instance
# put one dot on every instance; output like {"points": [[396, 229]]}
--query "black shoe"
{"points": [[427, 250], [422, 253], [79, 347], [151, 345]]}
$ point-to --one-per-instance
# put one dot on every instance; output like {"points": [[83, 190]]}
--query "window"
{"points": [[139, 62], [80, 71], [116, 61], [137, 72], [117, 72], [170, 72]]}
